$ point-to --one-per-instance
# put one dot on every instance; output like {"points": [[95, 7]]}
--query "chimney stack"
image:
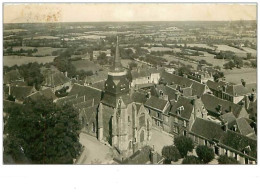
{"points": [[225, 126]]}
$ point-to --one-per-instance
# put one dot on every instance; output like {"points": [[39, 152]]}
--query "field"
{"points": [[20, 60], [125, 62], [198, 45], [249, 50], [235, 75], [170, 58], [210, 59], [42, 51]]}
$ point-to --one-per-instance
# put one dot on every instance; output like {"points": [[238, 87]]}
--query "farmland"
{"points": [[235, 75], [42, 51], [20, 60]]}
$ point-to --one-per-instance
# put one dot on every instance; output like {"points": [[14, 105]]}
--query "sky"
{"points": [[93, 12]]}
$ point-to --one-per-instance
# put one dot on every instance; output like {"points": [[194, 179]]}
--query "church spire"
{"points": [[117, 64]]}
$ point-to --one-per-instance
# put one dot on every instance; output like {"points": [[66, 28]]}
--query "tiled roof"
{"points": [[208, 129], [211, 104], [186, 103], [156, 103], [47, 93], [21, 92], [12, 76], [54, 79], [229, 118]]}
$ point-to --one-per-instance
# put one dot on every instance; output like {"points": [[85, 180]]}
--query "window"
{"points": [[205, 142], [158, 115], [166, 119], [184, 123], [149, 111], [175, 130], [93, 127], [158, 123]]}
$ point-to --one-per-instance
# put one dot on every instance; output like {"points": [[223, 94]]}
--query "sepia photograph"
{"points": [[129, 83]]}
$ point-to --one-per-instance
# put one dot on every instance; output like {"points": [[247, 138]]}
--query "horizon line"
{"points": [[132, 21]]}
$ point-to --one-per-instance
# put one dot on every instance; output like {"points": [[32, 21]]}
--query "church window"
{"points": [[93, 127]]}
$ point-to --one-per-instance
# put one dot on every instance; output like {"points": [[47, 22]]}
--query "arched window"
{"points": [[142, 136]]}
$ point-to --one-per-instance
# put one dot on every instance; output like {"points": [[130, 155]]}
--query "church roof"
{"points": [[117, 63]]}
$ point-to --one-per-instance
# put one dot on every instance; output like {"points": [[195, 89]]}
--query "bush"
{"points": [[191, 160], [205, 153], [183, 144], [223, 159], [171, 153]]}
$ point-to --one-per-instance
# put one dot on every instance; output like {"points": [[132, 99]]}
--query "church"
{"points": [[123, 121]]}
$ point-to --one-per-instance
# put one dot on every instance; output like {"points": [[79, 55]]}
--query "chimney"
{"points": [[225, 126], [177, 95], [235, 128], [247, 102], [148, 95], [243, 82], [219, 108], [9, 89]]}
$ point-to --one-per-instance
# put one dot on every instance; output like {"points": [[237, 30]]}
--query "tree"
{"points": [[183, 144], [238, 62], [42, 132], [205, 153], [191, 160], [171, 153], [183, 70], [224, 159], [11, 98]]}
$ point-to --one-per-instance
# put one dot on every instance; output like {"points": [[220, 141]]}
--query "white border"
{"points": [[127, 178]]}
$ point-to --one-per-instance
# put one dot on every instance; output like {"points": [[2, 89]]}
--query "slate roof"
{"points": [[87, 91], [234, 90], [239, 142], [211, 104], [167, 90], [100, 76], [99, 85], [186, 103], [156, 103], [230, 118], [208, 129], [139, 97], [197, 88], [244, 127], [112, 100]]}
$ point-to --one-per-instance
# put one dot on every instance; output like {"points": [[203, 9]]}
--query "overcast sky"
{"points": [[22, 13]]}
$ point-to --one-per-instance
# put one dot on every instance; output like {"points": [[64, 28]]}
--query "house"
{"points": [[55, 80], [183, 112], [224, 141], [20, 93], [196, 88], [216, 106], [12, 76], [240, 125], [47, 93], [145, 76], [158, 109], [200, 76], [230, 92]]}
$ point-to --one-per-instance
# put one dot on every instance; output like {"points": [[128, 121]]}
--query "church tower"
{"points": [[113, 114]]}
